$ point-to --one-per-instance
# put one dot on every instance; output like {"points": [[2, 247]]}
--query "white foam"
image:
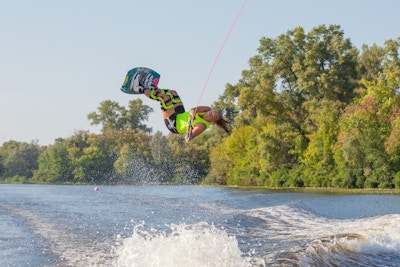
{"points": [[382, 233], [184, 245], [320, 239]]}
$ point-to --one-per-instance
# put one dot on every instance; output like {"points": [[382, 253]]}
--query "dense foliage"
{"points": [[311, 110]]}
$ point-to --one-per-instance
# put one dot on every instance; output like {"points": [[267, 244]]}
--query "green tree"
{"points": [[54, 165], [137, 114], [113, 116], [280, 146], [110, 114], [391, 63], [302, 67], [371, 61], [75, 146], [279, 100], [95, 164], [241, 161], [220, 164], [392, 143], [361, 156], [19, 159], [323, 126]]}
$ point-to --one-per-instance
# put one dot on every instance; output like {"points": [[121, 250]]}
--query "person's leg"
{"points": [[169, 100]]}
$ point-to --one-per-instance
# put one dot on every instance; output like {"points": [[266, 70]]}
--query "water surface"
{"points": [[194, 226]]}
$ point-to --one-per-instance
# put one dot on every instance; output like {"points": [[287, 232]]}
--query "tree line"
{"points": [[123, 153], [311, 110]]}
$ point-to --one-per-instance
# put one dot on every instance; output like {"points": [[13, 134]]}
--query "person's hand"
{"points": [[189, 135]]}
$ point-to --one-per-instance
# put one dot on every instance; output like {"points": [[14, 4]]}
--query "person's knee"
{"points": [[173, 92]]}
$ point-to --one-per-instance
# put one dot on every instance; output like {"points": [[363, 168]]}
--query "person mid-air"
{"points": [[190, 123]]}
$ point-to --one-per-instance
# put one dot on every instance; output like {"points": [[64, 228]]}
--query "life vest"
{"points": [[182, 120]]}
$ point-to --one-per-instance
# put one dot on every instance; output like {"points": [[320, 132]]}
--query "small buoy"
{"points": [[96, 189]]}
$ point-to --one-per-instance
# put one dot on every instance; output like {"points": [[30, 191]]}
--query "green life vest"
{"points": [[182, 120]]}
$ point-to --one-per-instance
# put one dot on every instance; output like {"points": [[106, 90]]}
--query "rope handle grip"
{"points": [[189, 131]]}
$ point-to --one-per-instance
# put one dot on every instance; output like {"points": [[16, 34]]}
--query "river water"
{"points": [[193, 226]]}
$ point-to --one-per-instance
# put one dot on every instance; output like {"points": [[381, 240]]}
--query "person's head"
{"points": [[214, 116]]}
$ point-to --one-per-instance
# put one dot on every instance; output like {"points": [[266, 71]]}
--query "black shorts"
{"points": [[171, 121]]}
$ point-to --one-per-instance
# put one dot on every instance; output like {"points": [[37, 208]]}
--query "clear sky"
{"points": [[60, 59]]}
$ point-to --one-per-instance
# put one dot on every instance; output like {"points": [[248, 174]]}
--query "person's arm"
{"points": [[200, 109], [195, 131]]}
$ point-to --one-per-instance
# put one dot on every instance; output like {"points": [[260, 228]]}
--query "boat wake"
{"points": [[300, 238], [285, 235], [199, 244]]}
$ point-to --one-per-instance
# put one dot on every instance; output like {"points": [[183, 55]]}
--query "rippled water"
{"points": [[194, 226]]}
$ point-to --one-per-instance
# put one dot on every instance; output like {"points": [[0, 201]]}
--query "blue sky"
{"points": [[60, 59]]}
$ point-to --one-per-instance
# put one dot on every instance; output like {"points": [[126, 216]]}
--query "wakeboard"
{"points": [[140, 77]]}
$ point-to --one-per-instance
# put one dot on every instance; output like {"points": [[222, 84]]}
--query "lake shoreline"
{"points": [[316, 190], [319, 190]]}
